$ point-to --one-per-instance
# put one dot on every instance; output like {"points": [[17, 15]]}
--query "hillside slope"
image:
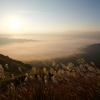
{"points": [[13, 66]]}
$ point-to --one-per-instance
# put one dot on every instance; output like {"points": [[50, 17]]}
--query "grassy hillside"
{"points": [[12, 66], [61, 81]]}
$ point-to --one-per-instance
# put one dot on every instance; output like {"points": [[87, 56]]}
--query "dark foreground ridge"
{"points": [[13, 66]]}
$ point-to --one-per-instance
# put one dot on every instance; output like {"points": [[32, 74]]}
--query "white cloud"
{"points": [[29, 12]]}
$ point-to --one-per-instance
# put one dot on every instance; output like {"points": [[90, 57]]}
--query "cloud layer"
{"points": [[5, 41], [27, 47]]}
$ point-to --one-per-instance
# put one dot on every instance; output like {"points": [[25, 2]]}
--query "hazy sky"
{"points": [[49, 16], [47, 28]]}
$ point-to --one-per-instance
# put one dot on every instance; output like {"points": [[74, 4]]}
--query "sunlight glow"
{"points": [[14, 25]]}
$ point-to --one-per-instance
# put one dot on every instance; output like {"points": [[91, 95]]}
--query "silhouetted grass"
{"points": [[62, 82]]}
